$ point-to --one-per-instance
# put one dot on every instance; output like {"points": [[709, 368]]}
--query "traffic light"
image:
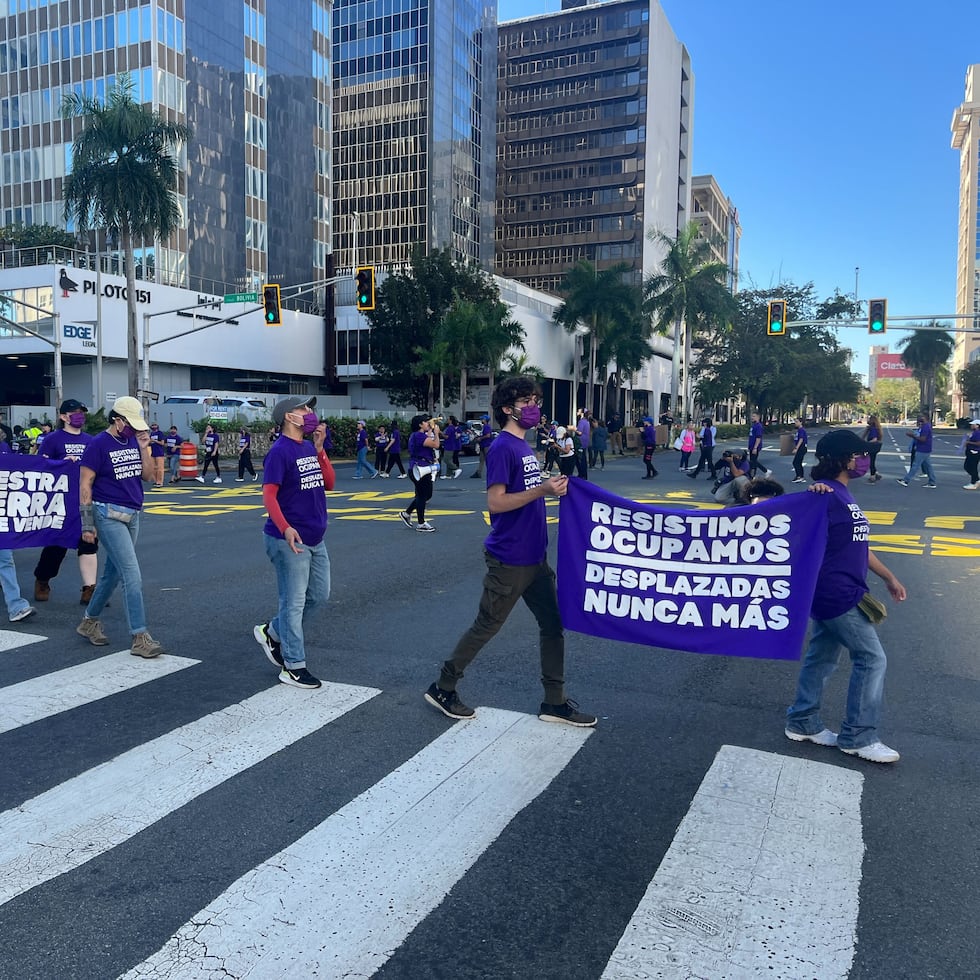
{"points": [[776, 324], [365, 288], [273, 305], [877, 316]]}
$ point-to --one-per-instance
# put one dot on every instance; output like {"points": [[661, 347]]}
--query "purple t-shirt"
{"points": [[211, 442], [800, 434], [245, 441], [584, 432], [395, 446], [173, 441], [925, 434], [362, 439], [294, 466], [62, 444], [755, 437], [157, 443], [418, 453], [649, 435], [843, 575], [117, 465], [517, 537], [453, 444]]}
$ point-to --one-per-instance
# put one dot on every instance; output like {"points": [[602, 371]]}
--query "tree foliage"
{"points": [[34, 242], [123, 179], [414, 339], [775, 375], [968, 379], [924, 352]]}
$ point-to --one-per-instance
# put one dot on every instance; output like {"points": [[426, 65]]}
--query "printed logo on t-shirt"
{"points": [[861, 529], [532, 471], [310, 474], [74, 448], [126, 463]]}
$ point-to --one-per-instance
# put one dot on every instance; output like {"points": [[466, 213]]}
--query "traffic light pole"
{"points": [[891, 319]]}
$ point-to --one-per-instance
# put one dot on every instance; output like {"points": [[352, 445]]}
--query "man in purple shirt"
{"points": [[922, 440], [843, 617], [485, 441], [755, 447], [516, 553]]}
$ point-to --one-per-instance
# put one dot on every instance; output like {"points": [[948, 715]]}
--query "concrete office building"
{"points": [[594, 112], [966, 138], [718, 220]]}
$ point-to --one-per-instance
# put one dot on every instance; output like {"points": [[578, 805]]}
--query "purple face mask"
{"points": [[76, 419], [310, 422], [862, 464], [530, 416], [128, 431]]}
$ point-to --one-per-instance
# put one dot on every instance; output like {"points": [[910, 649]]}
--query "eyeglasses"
{"points": [[859, 455], [531, 400]]}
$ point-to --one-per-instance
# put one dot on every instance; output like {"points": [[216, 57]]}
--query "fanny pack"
{"points": [[874, 611]]}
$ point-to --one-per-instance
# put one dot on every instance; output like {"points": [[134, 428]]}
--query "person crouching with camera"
{"points": [[734, 468]]}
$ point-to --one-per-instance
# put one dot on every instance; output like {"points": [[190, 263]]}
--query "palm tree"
{"points": [[690, 288], [459, 331], [925, 351], [597, 300], [123, 179]]}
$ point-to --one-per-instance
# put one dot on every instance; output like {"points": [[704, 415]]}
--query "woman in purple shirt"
{"points": [[872, 434], [422, 445], [110, 496], [841, 612], [453, 445], [800, 446], [395, 452]]}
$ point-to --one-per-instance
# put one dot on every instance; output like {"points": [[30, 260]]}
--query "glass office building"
{"points": [[413, 161], [255, 88], [594, 110]]}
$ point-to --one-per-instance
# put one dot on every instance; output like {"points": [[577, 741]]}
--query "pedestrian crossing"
{"points": [[345, 896]]}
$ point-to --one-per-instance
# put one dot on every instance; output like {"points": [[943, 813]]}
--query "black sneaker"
{"points": [[566, 714], [447, 702], [300, 677], [272, 648]]}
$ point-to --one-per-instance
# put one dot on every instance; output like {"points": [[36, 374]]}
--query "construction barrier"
{"points": [[188, 461]]}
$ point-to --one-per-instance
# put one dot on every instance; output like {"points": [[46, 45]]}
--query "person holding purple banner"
{"points": [[516, 554], [844, 613], [110, 498], [67, 442]]}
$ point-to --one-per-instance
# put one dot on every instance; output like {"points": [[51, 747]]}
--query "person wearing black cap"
{"points": [[649, 437], [295, 476], [68, 441], [484, 441], [843, 612]]}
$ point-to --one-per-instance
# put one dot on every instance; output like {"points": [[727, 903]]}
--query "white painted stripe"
{"points": [[341, 900], [761, 879], [11, 639], [42, 697], [86, 816]]}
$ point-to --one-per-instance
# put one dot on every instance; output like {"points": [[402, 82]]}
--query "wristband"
{"points": [[87, 512]]}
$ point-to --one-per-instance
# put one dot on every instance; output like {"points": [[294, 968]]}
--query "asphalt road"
{"points": [[478, 886]]}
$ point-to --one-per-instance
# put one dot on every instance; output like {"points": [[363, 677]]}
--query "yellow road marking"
{"points": [[950, 522], [955, 547], [900, 544], [884, 518]]}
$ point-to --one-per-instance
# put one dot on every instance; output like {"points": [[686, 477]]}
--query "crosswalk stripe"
{"points": [[341, 899], [62, 690], [88, 815], [761, 879], [12, 639]]}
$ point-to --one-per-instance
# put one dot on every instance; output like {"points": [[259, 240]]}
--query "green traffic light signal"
{"points": [[877, 316], [365, 288], [272, 302], [776, 322]]}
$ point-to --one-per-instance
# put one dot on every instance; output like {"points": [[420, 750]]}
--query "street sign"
{"points": [[241, 297]]}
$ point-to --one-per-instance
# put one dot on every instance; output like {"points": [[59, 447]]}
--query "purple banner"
{"points": [[737, 581], [38, 502]]}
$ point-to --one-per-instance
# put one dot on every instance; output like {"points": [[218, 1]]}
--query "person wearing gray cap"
{"points": [[844, 612], [110, 497], [295, 476]]}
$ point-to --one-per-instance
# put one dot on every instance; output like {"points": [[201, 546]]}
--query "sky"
{"points": [[827, 124]]}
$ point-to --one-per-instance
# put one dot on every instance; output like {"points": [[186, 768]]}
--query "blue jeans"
{"points": [[303, 581], [118, 544], [174, 466], [362, 462], [852, 632], [924, 462], [11, 589]]}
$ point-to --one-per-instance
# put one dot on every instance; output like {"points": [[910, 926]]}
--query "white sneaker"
{"points": [[424, 526], [826, 737], [200, 479], [875, 752], [458, 473], [239, 479], [404, 476], [23, 614], [217, 479], [971, 486], [445, 477], [254, 478]]}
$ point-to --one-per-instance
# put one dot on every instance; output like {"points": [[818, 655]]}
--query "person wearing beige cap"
{"points": [[110, 497], [971, 446]]}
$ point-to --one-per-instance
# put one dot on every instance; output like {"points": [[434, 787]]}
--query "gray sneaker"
{"points": [[824, 737], [91, 629], [145, 646]]}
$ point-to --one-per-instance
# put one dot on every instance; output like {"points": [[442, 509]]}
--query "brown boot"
{"points": [[42, 591], [86, 598]]}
